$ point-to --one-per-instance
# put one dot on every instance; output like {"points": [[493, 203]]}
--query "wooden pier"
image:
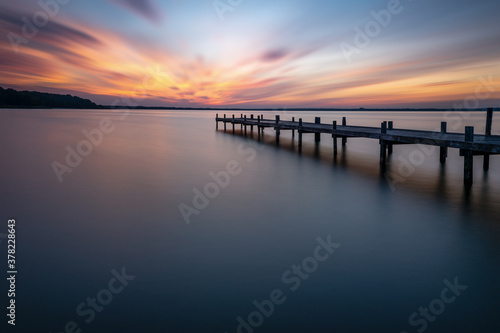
{"points": [[469, 143]]}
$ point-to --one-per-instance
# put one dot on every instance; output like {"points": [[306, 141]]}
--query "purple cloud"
{"points": [[145, 8], [274, 55]]}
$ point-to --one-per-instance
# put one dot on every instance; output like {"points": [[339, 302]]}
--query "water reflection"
{"points": [[435, 183]]}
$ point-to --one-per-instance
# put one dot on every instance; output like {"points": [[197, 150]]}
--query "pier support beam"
{"points": [[251, 126], [300, 133], [489, 122], [224, 123], [486, 162], [344, 139], [334, 125], [390, 125], [293, 131], [233, 123], [277, 129], [443, 151], [258, 127], [216, 121], [469, 158], [383, 147], [317, 136], [245, 125]]}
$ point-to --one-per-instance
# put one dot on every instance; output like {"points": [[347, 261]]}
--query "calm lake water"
{"points": [[284, 242]]}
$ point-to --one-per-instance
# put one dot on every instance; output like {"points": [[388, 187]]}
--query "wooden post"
{"points": [[300, 132], [344, 139], [233, 123], [334, 139], [245, 125], [224, 122], [258, 127], [317, 136], [383, 146], [469, 157], [443, 151], [277, 129], [251, 126], [489, 122], [293, 131], [390, 126], [486, 162], [216, 121]]}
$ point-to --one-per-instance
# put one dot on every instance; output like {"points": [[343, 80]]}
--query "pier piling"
{"points": [[390, 126], [443, 151], [468, 143], [300, 133], [344, 139], [383, 146], [317, 135], [469, 157], [334, 126], [277, 129], [489, 122], [245, 125]]}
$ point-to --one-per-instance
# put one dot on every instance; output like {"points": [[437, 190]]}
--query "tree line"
{"points": [[13, 98]]}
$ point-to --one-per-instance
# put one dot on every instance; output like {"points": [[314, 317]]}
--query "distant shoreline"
{"points": [[13, 99], [104, 107]]}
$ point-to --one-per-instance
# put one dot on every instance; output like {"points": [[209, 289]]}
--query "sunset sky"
{"points": [[254, 53]]}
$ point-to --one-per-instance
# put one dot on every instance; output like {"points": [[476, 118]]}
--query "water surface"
{"points": [[119, 208]]}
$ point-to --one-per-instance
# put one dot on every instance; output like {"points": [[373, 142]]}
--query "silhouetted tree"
{"points": [[13, 98]]}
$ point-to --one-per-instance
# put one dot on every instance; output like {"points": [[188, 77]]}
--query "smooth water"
{"points": [[256, 237]]}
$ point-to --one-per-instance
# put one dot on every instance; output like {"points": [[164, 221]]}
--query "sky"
{"points": [[255, 53]]}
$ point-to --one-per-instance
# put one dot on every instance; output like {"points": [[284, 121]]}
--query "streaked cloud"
{"points": [[146, 8], [270, 54]]}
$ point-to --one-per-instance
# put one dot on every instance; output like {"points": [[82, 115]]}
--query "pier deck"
{"points": [[470, 144]]}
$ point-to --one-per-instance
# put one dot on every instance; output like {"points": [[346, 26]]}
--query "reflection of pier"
{"points": [[470, 144]]}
